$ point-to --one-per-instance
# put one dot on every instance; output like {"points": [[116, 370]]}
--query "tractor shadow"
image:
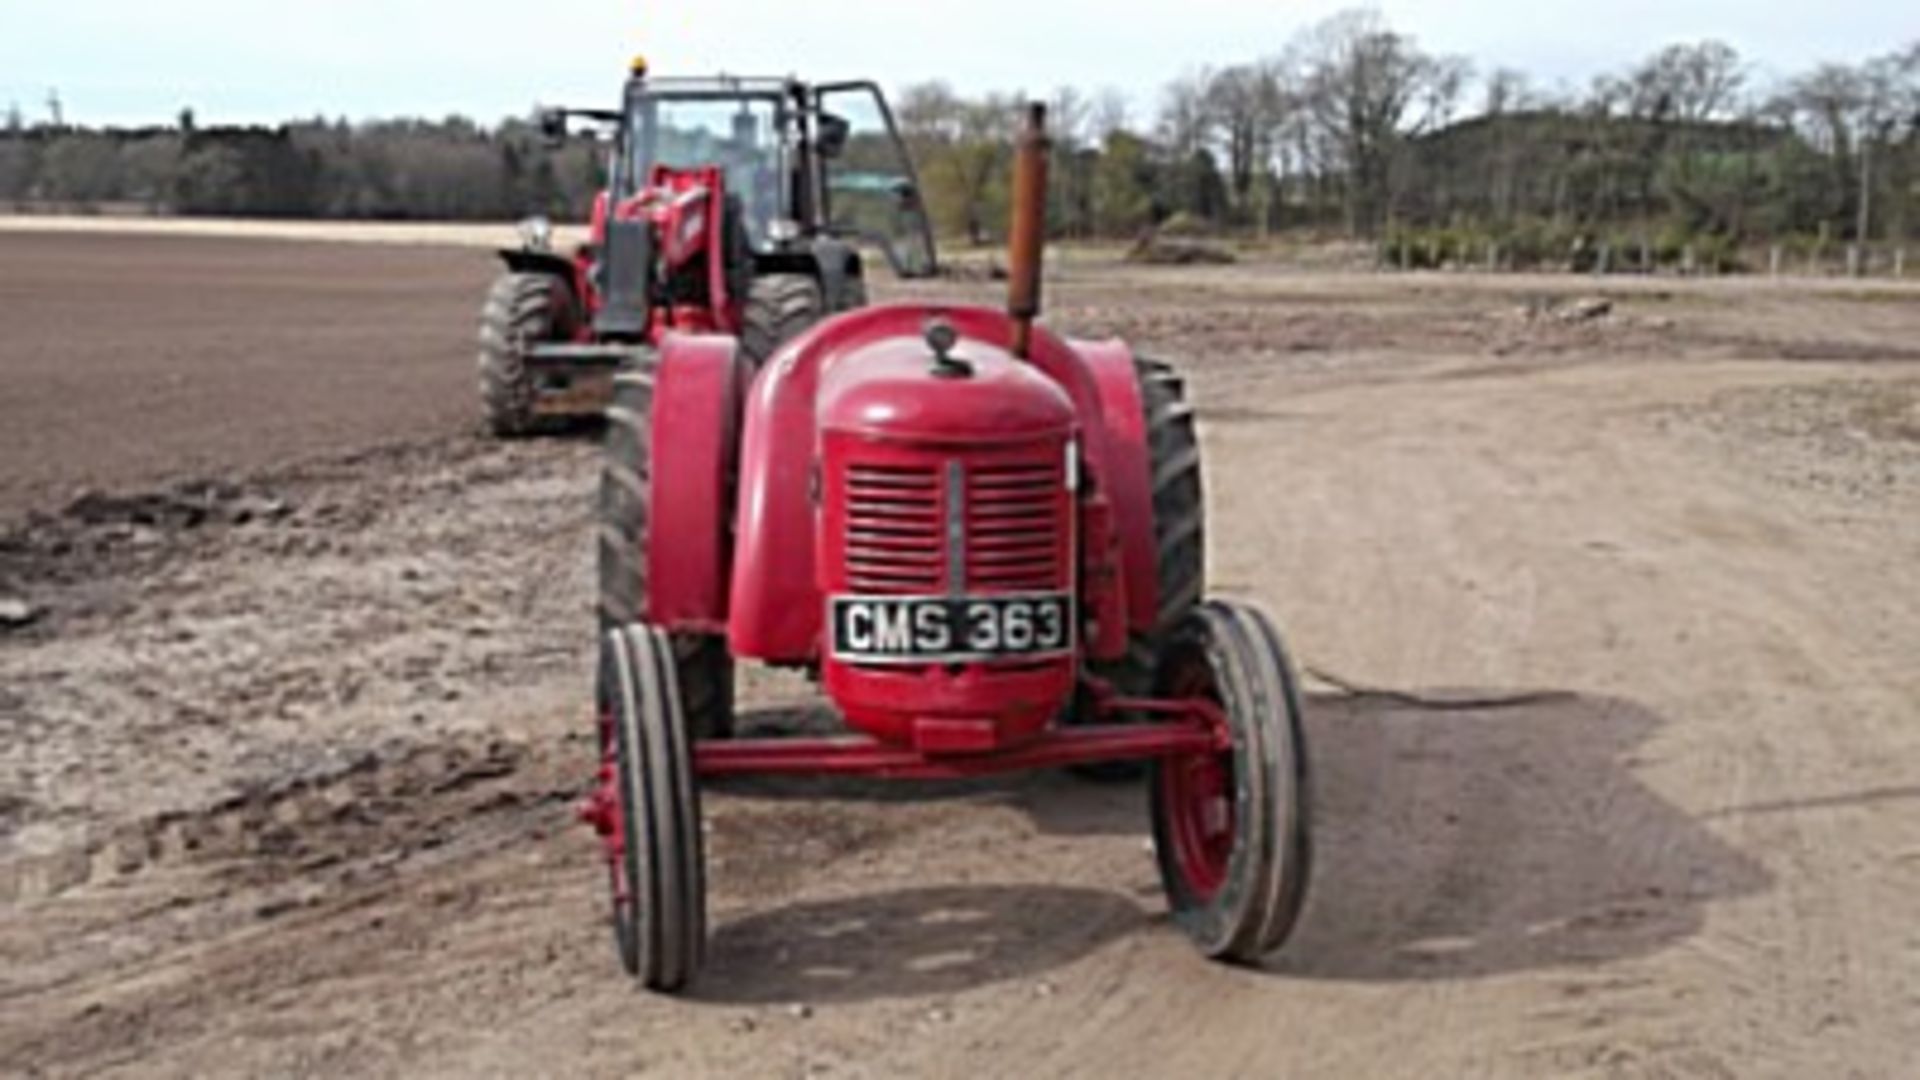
{"points": [[1457, 842], [909, 942], [1456, 836]]}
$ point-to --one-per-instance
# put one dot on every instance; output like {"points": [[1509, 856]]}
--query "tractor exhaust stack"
{"points": [[1027, 239]]}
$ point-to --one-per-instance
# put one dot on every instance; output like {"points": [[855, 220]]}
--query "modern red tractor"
{"points": [[734, 206], [986, 542]]}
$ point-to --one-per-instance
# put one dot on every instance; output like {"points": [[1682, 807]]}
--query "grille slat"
{"points": [[1014, 532], [893, 529], [1017, 536]]}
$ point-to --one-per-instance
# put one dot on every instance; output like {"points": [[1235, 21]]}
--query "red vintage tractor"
{"points": [[734, 206], [985, 540]]}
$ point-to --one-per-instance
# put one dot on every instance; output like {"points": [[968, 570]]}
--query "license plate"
{"points": [[921, 629]]}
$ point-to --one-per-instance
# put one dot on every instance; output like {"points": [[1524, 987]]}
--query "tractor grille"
{"points": [[1014, 535], [893, 522]]}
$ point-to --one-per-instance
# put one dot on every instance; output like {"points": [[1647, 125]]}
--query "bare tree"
{"points": [[1186, 122], [1282, 115], [1364, 79], [928, 113], [1888, 101], [1825, 104], [1507, 90], [957, 142], [1245, 104], [1069, 115], [1111, 112], [1904, 138], [1688, 82]]}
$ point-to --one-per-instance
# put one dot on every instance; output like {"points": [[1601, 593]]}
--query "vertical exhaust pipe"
{"points": [[1027, 239]]}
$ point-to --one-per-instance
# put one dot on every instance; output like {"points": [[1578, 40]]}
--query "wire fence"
{"points": [[1885, 261]]}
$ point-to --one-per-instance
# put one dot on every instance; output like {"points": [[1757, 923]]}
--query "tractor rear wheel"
{"points": [[1179, 537], [658, 872], [853, 294], [1179, 510], [521, 309], [702, 663], [779, 308], [1231, 829]]}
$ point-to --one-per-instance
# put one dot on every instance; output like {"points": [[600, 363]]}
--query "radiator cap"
{"points": [[941, 338]]}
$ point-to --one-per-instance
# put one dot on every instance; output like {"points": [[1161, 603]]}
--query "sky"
{"points": [[242, 61]]}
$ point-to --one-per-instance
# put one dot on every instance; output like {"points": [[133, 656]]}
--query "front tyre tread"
{"points": [[666, 944]]}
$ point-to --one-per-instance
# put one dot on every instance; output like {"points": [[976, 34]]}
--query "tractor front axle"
{"points": [[1059, 747]]}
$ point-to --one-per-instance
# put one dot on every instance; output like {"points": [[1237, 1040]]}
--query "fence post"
{"points": [[1773, 261], [1604, 265], [1853, 260], [1899, 262], [1493, 256], [1646, 262], [1687, 264]]}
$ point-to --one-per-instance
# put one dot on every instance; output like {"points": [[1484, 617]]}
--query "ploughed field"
{"points": [[1608, 592], [137, 360]]}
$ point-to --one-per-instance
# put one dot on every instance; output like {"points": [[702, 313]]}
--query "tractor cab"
{"points": [[739, 206], [802, 162]]}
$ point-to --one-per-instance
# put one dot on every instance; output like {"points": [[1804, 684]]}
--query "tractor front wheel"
{"points": [[1231, 829], [657, 863], [521, 310], [779, 308]]}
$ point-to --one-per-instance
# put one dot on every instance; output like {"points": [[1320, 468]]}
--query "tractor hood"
{"points": [[895, 388]]}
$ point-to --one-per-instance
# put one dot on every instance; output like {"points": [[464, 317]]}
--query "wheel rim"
{"points": [[613, 844], [1196, 793]]}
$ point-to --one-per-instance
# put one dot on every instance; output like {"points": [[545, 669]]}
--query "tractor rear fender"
{"points": [[776, 607], [698, 385], [1129, 474]]}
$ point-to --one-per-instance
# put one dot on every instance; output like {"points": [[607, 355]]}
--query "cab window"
{"points": [[871, 191]]}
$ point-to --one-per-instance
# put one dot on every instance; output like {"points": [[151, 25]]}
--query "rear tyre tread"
{"points": [[664, 860], [779, 308], [853, 294], [1179, 520], [521, 309], [703, 666]]}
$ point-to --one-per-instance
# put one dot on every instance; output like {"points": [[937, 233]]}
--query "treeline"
{"points": [[392, 170], [1350, 128]]}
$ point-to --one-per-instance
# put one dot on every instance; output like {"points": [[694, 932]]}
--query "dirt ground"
{"points": [[1612, 615], [134, 360]]}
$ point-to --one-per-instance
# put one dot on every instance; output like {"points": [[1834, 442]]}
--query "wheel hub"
{"points": [[1197, 793]]}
